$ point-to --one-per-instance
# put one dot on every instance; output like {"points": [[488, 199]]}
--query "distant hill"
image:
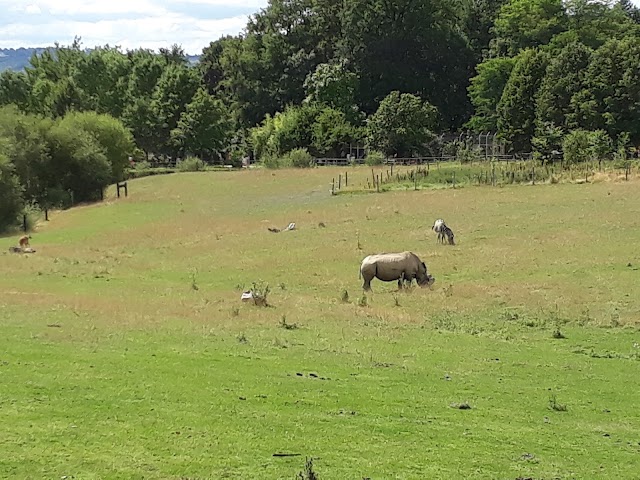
{"points": [[18, 58]]}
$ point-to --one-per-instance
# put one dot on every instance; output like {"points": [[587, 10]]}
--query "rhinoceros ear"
{"points": [[425, 267]]}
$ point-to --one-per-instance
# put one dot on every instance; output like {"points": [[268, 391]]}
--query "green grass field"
{"points": [[126, 353]]}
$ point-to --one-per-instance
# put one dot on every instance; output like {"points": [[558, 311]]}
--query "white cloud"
{"points": [[127, 23], [32, 10], [149, 32]]}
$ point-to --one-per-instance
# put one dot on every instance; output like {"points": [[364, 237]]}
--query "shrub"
{"points": [[298, 158], [110, 133], [374, 157], [34, 214], [10, 195], [576, 146], [271, 161], [78, 163], [191, 164]]}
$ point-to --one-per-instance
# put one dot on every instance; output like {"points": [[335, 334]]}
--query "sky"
{"points": [[129, 24]]}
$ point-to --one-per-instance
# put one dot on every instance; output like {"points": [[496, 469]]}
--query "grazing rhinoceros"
{"points": [[389, 267]]}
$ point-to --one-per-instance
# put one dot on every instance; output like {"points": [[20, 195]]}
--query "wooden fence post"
{"points": [[533, 174], [24, 222], [346, 179], [339, 181], [46, 214], [378, 183], [333, 186], [454, 179], [415, 180]]}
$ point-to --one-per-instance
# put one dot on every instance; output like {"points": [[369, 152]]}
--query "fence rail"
{"points": [[342, 162]]}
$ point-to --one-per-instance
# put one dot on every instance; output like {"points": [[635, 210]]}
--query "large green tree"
{"points": [[109, 133], [486, 90], [517, 106], [11, 201], [204, 127], [610, 99], [525, 24], [413, 46], [563, 79], [403, 125]]}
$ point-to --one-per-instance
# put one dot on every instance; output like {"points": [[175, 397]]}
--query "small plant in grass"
{"points": [[308, 473], [555, 406], [287, 326], [242, 338], [363, 301], [260, 292], [191, 164], [235, 312], [585, 317], [345, 296], [396, 300], [558, 334], [282, 286], [194, 284], [615, 318]]}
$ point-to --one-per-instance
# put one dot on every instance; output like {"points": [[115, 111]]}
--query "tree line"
{"points": [[312, 77]]}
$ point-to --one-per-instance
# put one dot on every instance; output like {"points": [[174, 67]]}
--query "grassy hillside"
{"points": [[126, 352]]}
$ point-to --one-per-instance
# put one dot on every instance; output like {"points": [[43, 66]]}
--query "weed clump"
{"points": [[555, 406], [308, 473], [363, 301], [345, 297], [259, 293], [287, 326]]}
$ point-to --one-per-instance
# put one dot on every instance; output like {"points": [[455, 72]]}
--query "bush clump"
{"points": [[374, 157], [298, 158], [191, 164]]}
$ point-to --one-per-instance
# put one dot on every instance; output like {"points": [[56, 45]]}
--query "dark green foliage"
{"points": [[78, 163], [564, 78], [576, 145], [610, 99], [403, 125], [204, 127], [516, 109], [486, 90], [409, 46], [523, 24], [14, 88], [108, 132], [332, 134], [11, 202]]}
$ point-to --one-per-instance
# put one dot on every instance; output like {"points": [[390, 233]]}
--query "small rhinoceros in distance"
{"points": [[390, 267]]}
